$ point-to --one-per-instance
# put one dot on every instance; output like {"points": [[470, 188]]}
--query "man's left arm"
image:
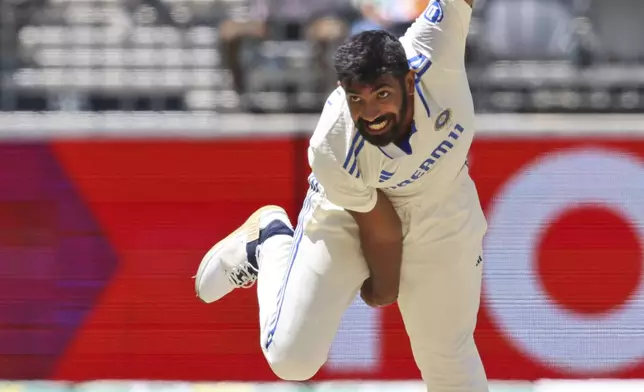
{"points": [[438, 35]]}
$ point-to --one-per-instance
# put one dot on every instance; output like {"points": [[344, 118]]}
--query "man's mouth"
{"points": [[378, 127]]}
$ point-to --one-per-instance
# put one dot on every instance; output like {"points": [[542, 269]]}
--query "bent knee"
{"points": [[293, 366], [458, 370]]}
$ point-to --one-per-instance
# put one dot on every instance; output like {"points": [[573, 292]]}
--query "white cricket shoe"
{"points": [[232, 262]]}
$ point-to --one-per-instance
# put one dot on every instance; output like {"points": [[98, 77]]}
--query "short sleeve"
{"points": [[340, 187], [438, 35]]}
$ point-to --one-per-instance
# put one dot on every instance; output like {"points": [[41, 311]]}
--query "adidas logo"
{"points": [[385, 175], [479, 260]]}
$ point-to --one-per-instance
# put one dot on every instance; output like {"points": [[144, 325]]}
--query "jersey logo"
{"points": [[443, 119], [443, 148], [434, 12]]}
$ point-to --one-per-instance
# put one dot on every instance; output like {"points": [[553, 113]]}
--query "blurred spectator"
{"points": [[322, 22], [394, 16], [619, 28], [163, 12], [14, 15]]}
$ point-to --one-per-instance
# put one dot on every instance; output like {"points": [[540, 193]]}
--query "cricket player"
{"points": [[391, 212]]}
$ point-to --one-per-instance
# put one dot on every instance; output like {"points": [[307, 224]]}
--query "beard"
{"points": [[396, 129]]}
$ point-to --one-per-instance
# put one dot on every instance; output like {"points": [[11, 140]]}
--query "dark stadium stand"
{"points": [[163, 55], [559, 56], [118, 55]]}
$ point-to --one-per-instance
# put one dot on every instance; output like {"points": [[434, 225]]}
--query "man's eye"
{"points": [[354, 98], [383, 94]]}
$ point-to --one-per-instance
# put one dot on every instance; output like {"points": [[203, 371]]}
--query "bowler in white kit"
{"points": [[391, 212]]}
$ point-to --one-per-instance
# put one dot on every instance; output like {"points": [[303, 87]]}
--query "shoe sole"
{"points": [[251, 224]]}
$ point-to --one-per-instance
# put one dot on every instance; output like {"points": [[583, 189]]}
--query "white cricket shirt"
{"points": [[349, 169]]}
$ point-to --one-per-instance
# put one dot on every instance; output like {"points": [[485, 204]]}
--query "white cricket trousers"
{"points": [[306, 283]]}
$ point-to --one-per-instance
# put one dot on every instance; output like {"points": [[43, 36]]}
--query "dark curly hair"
{"points": [[368, 55]]}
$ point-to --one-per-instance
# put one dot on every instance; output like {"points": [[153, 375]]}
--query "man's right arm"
{"points": [[379, 226], [381, 239], [439, 34]]}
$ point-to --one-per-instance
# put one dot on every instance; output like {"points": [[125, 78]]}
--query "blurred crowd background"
{"points": [[268, 56]]}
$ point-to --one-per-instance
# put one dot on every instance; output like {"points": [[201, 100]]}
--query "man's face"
{"points": [[380, 109]]}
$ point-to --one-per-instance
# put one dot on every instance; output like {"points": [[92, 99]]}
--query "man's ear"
{"points": [[410, 80], [339, 83]]}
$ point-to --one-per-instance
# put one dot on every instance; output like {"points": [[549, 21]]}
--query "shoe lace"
{"points": [[243, 276]]}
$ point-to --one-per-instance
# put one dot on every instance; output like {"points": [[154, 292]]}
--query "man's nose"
{"points": [[370, 114]]}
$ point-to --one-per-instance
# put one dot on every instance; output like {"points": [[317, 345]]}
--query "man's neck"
{"points": [[403, 140]]}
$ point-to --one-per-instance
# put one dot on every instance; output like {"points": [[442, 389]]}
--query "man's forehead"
{"points": [[380, 82]]}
